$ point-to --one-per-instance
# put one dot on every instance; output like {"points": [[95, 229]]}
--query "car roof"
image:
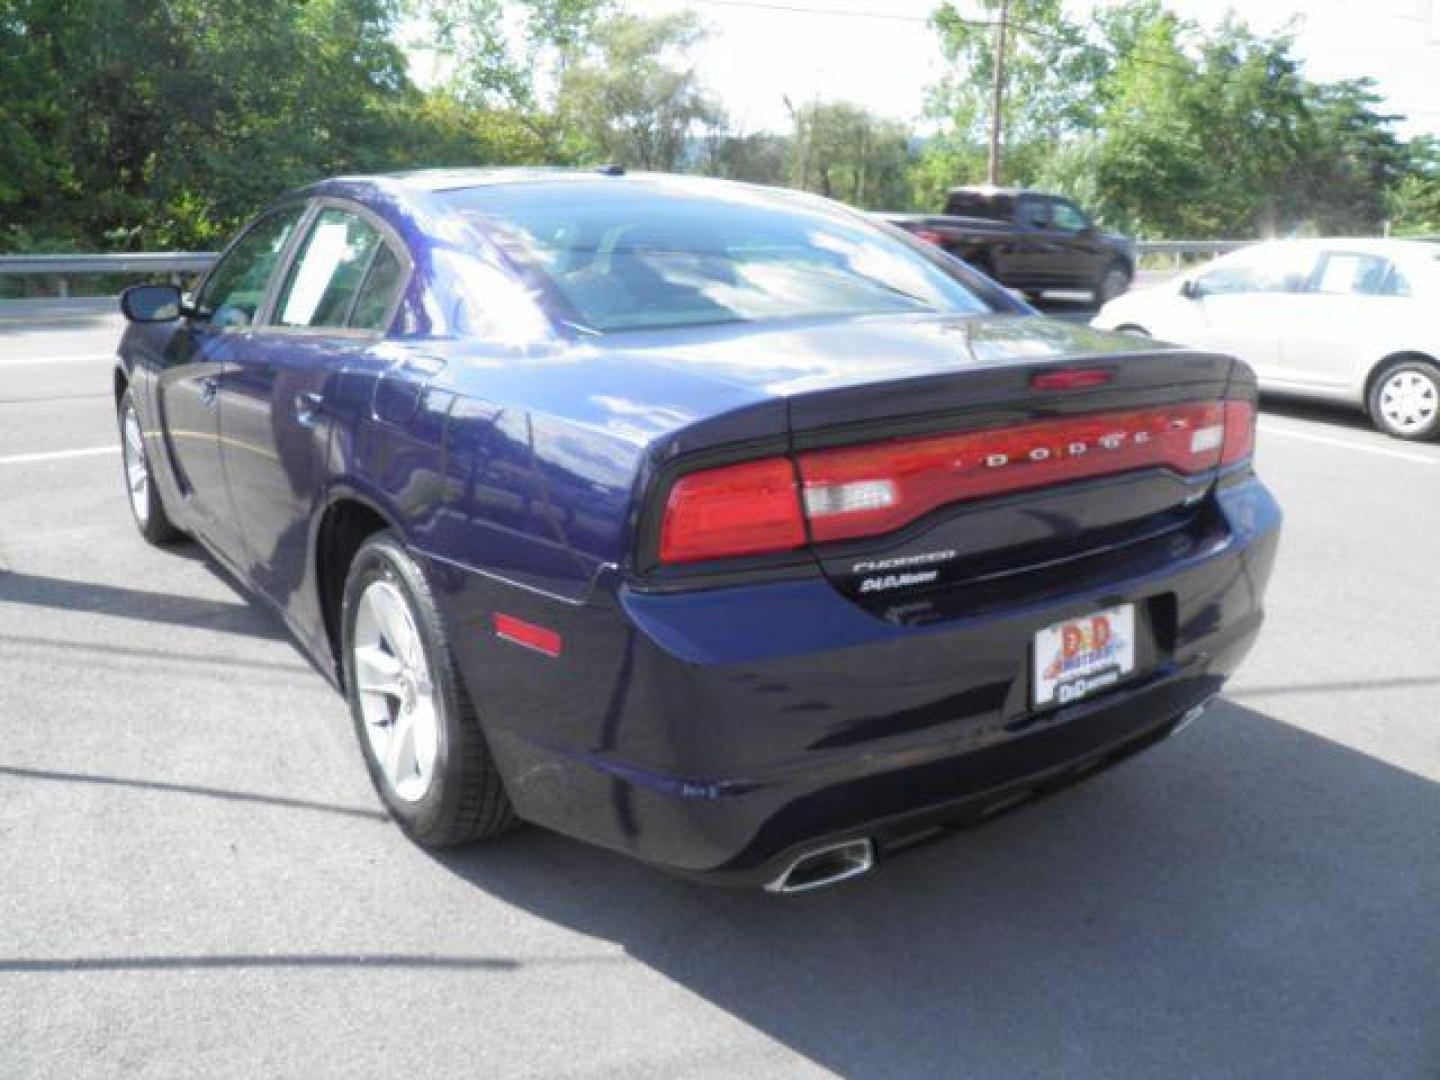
{"points": [[1001, 192], [1390, 247], [426, 183]]}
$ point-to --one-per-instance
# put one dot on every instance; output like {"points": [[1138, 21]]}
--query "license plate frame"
{"points": [[1081, 656]]}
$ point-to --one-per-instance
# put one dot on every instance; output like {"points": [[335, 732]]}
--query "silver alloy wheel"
{"points": [[137, 470], [397, 694], [1409, 400]]}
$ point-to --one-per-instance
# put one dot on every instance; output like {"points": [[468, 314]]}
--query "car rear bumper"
{"points": [[722, 733]]}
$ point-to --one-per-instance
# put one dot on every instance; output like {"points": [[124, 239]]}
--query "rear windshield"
{"points": [[975, 204], [634, 257]]}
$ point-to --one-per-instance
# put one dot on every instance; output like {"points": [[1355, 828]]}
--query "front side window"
{"points": [[233, 292], [1258, 270], [1035, 213], [1068, 217], [326, 276], [636, 258]]}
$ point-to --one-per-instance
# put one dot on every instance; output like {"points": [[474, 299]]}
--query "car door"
{"points": [[1352, 303], [336, 299], [1247, 299], [1033, 249], [198, 359], [1081, 257]]}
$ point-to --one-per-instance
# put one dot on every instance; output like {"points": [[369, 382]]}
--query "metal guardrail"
{"points": [[137, 264], [1179, 250], [1189, 247], [177, 263]]}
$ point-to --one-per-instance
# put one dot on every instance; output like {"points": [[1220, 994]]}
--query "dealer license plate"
{"points": [[1082, 656]]}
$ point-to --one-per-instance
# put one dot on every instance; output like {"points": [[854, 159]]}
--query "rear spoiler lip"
{"points": [[999, 395]]}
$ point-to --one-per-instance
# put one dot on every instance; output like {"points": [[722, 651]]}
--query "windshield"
{"points": [[649, 256]]}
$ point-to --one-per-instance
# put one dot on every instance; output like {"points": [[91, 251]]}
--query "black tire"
{"points": [[465, 800], [1425, 377], [1113, 281], [147, 509]]}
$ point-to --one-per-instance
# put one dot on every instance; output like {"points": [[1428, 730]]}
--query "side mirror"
{"points": [[1190, 289], [152, 303]]}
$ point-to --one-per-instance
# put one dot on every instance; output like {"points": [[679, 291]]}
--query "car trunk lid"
{"points": [[1023, 460]]}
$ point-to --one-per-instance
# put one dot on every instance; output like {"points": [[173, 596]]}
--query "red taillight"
{"points": [[1070, 379], [868, 490], [929, 237], [1239, 432], [748, 509]]}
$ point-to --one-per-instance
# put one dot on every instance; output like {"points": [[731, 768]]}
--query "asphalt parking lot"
{"points": [[196, 879]]}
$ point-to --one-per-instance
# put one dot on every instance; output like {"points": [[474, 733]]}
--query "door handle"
{"points": [[309, 405], [208, 389]]}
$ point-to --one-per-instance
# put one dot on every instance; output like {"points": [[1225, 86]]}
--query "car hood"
{"points": [[790, 359]]}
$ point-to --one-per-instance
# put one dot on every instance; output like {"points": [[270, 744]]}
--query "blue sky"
{"points": [[756, 56]]}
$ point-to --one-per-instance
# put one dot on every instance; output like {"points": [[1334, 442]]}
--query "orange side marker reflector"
{"points": [[509, 628]]}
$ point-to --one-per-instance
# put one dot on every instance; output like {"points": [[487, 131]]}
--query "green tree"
{"points": [[758, 158], [1414, 201], [631, 99], [1350, 159], [846, 153], [1051, 68], [163, 124], [504, 54]]}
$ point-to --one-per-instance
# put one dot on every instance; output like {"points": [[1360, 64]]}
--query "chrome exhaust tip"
{"points": [[828, 865], [1190, 715]]}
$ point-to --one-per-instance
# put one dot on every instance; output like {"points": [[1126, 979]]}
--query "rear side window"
{"points": [[325, 281], [976, 204], [377, 294], [233, 292], [1355, 274]]}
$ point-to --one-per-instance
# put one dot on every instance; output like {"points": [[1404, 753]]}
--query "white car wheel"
{"points": [[1405, 401]]}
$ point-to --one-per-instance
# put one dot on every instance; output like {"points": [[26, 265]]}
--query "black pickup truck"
{"points": [[1027, 240]]}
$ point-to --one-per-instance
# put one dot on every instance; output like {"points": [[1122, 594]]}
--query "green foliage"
{"points": [[166, 123], [139, 124], [760, 158], [846, 153], [629, 100], [500, 53], [1170, 131], [1050, 70], [1414, 203]]}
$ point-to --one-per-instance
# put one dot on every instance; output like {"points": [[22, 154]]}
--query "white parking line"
{"points": [[36, 361], [57, 455], [1364, 448]]}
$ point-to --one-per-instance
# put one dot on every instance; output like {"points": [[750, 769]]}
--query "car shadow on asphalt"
{"points": [[1320, 412], [244, 615], [1246, 899]]}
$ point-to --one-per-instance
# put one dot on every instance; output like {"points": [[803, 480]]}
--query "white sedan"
{"points": [[1356, 321]]}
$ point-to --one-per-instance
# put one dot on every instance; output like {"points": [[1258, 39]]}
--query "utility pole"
{"points": [[798, 119], [997, 97]]}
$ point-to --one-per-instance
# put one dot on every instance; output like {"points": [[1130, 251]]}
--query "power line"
{"points": [[770, 5]]}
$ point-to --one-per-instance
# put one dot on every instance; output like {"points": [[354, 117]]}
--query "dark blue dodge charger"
{"points": [[720, 526]]}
